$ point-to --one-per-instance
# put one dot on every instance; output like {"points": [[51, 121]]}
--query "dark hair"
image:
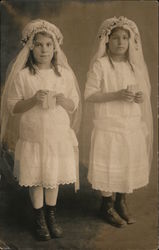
{"points": [[107, 46], [119, 28], [31, 60]]}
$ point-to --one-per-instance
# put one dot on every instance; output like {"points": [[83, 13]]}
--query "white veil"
{"points": [[136, 59], [19, 63], [11, 123]]}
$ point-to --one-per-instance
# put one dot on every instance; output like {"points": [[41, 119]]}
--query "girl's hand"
{"points": [[25, 105], [40, 96], [139, 97], [125, 95], [66, 103], [60, 99]]}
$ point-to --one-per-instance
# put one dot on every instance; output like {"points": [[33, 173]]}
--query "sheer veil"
{"points": [[20, 61], [136, 59], [11, 123]]}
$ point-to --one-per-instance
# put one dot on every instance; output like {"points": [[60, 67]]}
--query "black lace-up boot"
{"points": [[122, 209], [54, 228], [41, 229], [108, 212]]}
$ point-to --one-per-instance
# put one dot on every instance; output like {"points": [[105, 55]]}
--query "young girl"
{"points": [[43, 89], [121, 142]]}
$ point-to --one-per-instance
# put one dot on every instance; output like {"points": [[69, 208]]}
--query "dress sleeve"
{"points": [[15, 93], [94, 78], [71, 89]]}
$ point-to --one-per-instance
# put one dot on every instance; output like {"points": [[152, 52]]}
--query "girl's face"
{"points": [[43, 50], [118, 42]]}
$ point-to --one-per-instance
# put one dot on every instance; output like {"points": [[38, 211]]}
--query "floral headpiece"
{"points": [[39, 25], [109, 24]]}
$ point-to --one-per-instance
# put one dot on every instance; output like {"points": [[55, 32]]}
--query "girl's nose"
{"points": [[119, 41], [44, 48]]}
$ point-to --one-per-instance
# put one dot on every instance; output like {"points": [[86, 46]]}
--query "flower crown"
{"points": [[39, 25], [109, 24]]}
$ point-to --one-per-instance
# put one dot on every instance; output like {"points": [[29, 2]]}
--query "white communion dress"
{"points": [[118, 156], [44, 153]]}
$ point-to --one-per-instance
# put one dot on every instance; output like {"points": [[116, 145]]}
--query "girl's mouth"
{"points": [[43, 55]]}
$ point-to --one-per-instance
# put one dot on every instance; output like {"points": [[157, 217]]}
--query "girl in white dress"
{"points": [[121, 143], [42, 88]]}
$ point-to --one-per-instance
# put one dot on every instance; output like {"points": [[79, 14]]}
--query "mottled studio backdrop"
{"points": [[79, 22]]}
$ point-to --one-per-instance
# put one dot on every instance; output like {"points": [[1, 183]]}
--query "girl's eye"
{"points": [[49, 44], [37, 44]]}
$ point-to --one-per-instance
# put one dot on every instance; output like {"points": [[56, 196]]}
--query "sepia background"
{"points": [[78, 213]]}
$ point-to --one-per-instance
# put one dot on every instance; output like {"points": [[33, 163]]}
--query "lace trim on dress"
{"points": [[46, 185], [102, 189]]}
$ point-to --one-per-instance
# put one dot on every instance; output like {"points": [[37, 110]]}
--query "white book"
{"points": [[50, 100]]}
